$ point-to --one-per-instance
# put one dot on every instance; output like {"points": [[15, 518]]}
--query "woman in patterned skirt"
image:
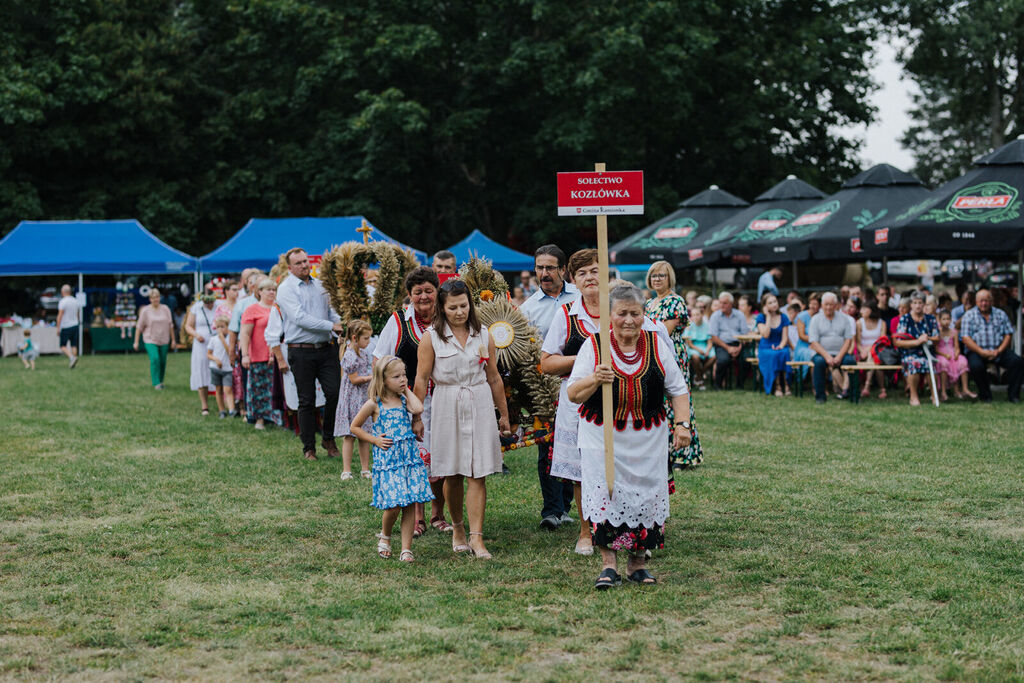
{"points": [[670, 308]]}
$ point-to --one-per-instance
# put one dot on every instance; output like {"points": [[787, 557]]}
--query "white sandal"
{"points": [[345, 476], [479, 555], [384, 546], [406, 556], [366, 474]]}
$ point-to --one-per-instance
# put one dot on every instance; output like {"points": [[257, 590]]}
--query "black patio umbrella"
{"points": [[830, 230], [975, 215], [729, 241], [667, 238]]}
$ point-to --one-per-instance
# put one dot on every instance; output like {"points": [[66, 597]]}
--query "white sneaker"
{"points": [[73, 362]]}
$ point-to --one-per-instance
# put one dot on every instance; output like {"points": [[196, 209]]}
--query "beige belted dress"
{"points": [[463, 426]]}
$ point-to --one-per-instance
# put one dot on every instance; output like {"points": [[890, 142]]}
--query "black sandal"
{"points": [[642, 577], [606, 579]]}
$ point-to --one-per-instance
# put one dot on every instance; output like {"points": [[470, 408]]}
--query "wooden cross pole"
{"points": [[604, 331], [366, 230]]}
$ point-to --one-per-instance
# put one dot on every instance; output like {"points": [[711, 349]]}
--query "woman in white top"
{"points": [[642, 371], [870, 327], [199, 325], [460, 358]]}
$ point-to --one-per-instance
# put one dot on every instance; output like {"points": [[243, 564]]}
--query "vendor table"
{"points": [[46, 339], [112, 338]]}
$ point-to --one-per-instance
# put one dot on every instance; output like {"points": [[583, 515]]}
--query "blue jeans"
{"points": [[557, 494], [821, 373]]}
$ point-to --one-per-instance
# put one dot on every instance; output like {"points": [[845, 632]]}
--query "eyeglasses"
{"points": [[545, 269], [454, 285], [658, 275]]}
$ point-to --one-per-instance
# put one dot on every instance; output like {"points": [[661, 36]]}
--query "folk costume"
{"points": [[571, 328], [633, 518]]}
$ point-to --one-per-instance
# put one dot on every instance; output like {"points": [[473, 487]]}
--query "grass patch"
{"points": [[138, 539]]}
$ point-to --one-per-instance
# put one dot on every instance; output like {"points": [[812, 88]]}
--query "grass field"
{"points": [[138, 539]]}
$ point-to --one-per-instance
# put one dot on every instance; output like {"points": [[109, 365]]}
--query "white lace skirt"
{"points": [[565, 451], [640, 498], [200, 375]]}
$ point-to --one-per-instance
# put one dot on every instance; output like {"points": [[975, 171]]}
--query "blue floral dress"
{"points": [[399, 475], [914, 360]]}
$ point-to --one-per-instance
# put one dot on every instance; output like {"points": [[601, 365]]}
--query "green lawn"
{"points": [[138, 539]]}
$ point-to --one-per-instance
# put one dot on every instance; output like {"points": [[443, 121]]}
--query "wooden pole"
{"points": [[604, 330]]}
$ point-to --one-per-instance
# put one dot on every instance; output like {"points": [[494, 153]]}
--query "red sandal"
{"points": [[420, 529], [440, 524]]}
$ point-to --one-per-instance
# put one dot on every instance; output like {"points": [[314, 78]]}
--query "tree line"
{"points": [[430, 117]]}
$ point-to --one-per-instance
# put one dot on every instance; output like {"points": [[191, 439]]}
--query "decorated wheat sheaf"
{"points": [[514, 337], [480, 277], [342, 276]]}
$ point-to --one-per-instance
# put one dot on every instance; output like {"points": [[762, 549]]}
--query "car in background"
{"points": [[49, 299], [1002, 277]]}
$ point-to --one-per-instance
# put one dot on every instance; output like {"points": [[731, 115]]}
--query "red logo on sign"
{"points": [[741, 258], [882, 236], [673, 233], [855, 245], [812, 218], [994, 202], [766, 225], [696, 254]]}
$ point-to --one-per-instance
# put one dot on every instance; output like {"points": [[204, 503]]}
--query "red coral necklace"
{"points": [[636, 355]]}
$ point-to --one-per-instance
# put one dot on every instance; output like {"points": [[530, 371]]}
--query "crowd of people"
{"points": [[923, 334]]}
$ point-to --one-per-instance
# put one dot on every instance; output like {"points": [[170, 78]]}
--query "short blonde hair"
{"points": [[376, 391], [221, 319], [655, 267], [266, 283]]}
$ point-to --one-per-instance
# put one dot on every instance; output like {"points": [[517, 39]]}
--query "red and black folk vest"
{"points": [[575, 333], [637, 399], [408, 345]]}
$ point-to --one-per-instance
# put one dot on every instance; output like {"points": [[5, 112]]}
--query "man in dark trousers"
{"points": [[987, 333], [309, 328]]}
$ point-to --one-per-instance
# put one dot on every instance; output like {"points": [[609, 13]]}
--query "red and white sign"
{"points": [[882, 236], [766, 226], [855, 245], [812, 218], [600, 192], [996, 201], [696, 254], [673, 233]]}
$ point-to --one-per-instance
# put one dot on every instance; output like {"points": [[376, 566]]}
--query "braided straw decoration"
{"points": [[342, 277]]}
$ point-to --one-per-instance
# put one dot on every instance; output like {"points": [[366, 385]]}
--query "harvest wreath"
{"points": [[341, 272]]}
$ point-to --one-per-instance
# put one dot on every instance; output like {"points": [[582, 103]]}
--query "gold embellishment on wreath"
{"points": [[516, 341], [341, 272]]}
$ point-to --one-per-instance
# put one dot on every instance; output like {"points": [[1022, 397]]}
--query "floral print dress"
{"points": [[673, 307], [914, 360], [399, 475]]}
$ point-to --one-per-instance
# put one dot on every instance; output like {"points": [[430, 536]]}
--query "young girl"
{"points": [[220, 367], [400, 478], [356, 368], [949, 362], [698, 339], [870, 328]]}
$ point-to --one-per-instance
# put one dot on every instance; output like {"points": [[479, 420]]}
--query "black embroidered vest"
{"points": [[637, 399], [408, 346], [575, 334]]}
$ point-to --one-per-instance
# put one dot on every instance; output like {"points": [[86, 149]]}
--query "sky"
{"points": [[893, 101]]}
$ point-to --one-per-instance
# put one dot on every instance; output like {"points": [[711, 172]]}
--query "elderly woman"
{"points": [[641, 372], [459, 357], [914, 330], [670, 308], [256, 356], [156, 328], [199, 326], [401, 338]]}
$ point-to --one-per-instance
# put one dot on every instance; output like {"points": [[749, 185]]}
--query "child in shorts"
{"points": [[27, 351], [220, 367]]}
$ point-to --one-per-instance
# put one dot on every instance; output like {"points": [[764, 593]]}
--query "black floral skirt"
{"points": [[632, 539]]}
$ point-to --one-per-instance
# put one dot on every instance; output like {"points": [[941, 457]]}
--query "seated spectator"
{"points": [[773, 347], [915, 329], [691, 300], [950, 364], [886, 312], [704, 301], [903, 308], [966, 304], [747, 309], [698, 342], [870, 328], [986, 334], [852, 308], [931, 304], [802, 350], [724, 325], [831, 336]]}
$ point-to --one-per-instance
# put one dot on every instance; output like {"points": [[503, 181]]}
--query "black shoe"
{"points": [[505, 469], [607, 579], [986, 400], [642, 577], [819, 401], [550, 522], [1014, 400]]}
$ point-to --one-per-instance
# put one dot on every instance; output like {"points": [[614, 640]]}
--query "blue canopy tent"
{"points": [[88, 248], [500, 256], [262, 240]]}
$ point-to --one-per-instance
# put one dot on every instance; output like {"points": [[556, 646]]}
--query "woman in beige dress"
{"points": [[459, 357]]}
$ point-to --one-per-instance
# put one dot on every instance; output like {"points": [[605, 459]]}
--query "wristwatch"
{"points": [[684, 424]]}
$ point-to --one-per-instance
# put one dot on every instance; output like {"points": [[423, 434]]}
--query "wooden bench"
{"points": [[856, 368], [798, 381]]}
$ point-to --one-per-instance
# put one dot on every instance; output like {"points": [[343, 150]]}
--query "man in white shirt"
{"points": [[69, 317], [540, 310], [309, 328]]}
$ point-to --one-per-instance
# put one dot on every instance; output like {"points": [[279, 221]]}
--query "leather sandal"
{"points": [[642, 577], [607, 579], [460, 547], [419, 529], [477, 554], [440, 524]]}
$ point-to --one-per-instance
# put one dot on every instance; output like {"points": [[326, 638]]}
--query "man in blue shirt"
{"points": [[725, 324], [766, 283], [540, 309], [987, 333]]}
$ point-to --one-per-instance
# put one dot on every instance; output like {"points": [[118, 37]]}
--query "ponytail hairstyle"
{"points": [[376, 392], [357, 328]]}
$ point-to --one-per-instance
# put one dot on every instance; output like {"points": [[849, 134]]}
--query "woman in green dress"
{"points": [[670, 308]]}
